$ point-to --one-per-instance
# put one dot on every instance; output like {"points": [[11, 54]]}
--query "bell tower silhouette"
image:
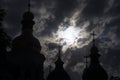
{"points": [[94, 71], [58, 73], [26, 50]]}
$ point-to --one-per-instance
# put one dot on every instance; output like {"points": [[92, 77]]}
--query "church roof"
{"points": [[95, 70], [28, 18], [58, 73]]}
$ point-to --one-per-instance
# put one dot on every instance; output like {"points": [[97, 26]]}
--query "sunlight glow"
{"points": [[69, 35]]}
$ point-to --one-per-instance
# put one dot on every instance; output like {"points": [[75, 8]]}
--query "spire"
{"points": [[59, 52], [93, 34], [28, 19], [95, 70], [59, 62], [58, 73], [29, 5], [94, 51]]}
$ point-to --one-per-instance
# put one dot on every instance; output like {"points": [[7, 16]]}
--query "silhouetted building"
{"points": [[94, 71], [4, 43], [114, 78], [58, 73], [27, 61], [4, 38]]}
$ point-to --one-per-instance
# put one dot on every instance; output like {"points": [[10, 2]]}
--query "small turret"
{"points": [[26, 51], [59, 62], [95, 70], [58, 73], [28, 17]]}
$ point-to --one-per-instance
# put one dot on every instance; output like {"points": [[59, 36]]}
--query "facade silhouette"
{"points": [[4, 38], [94, 71], [26, 61], [58, 73], [114, 78], [4, 43]]}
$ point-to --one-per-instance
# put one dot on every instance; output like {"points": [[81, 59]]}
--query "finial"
{"points": [[59, 51], [93, 34], [29, 5]]}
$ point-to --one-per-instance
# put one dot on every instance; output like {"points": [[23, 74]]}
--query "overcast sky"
{"points": [[101, 16]]}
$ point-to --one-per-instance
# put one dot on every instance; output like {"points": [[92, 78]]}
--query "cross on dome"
{"points": [[93, 35], [29, 5]]}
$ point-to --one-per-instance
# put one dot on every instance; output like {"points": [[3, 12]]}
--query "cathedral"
{"points": [[27, 63]]}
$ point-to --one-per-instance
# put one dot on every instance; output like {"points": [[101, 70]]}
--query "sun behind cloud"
{"points": [[69, 37]]}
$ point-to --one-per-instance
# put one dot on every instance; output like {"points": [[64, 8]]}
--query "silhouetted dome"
{"points": [[95, 73], [25, 59], [95, 70], [28, 20], [94, 54], [59, 73], [84, 76], [28, 15], [94, 49], [24, 42], [59, 62]]}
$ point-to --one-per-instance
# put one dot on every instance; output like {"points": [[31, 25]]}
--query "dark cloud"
{"points": [[91, 26], [62, 9], [115, 9], [114, 22], [14, 11], [103, 14], [94, 8], [51, 46], [79, 56]]}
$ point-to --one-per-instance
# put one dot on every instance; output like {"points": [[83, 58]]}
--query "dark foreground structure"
{"points": [[25, 61], [94, 71], [58, 73]]}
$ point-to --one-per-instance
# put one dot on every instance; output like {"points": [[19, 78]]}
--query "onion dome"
{"points": [[59, 62], [95, 71], [58, 73], [28, 17]]}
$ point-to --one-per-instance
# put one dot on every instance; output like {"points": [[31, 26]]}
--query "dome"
{"points": [[95, 70], [59, 62], [58, 74], [28, 15], [84, 76], [28, 20], [95, 73], [94, 49]]}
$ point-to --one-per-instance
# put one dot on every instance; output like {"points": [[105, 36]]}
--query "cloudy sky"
{"points": [[69, 23]]}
